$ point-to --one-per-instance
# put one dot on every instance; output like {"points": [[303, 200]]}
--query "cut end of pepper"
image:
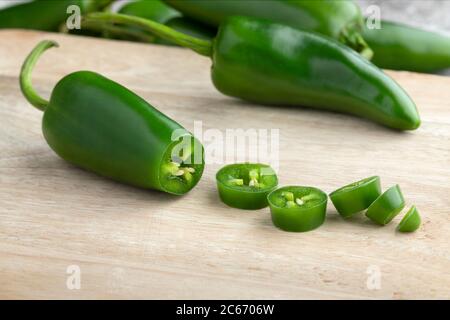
{"points": [[182, 165]]}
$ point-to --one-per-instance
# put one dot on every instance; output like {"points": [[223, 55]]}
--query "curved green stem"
{"points": [[117, 31], [355, 40], [25, 74], [203, 47]]}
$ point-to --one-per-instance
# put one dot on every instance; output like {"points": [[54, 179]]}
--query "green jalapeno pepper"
{"points": [[99, 125], [270, 63], [401, 47], [297, 208], [246, 185], [356, 196], [46, 15], [386, 206], [341, 20], [158, 11], [411, 221]]}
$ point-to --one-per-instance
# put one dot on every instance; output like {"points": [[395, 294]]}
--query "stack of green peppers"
{"points": [[317, 61], [315, 72], [393, 46]]}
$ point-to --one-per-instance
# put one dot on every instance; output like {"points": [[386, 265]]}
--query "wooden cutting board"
{"points": [[132, 243]]}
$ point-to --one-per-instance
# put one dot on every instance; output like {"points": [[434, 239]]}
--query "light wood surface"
{"points": [[132, 243]]}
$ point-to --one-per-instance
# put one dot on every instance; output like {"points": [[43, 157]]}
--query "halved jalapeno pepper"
{"points": [[246, 185], [411, 221], [356, 196], [298, 208], [386, 206]]}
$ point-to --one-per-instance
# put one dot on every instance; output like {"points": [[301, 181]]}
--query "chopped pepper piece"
{"points": [[298, 208], [246, 185], [386, 206], [356, 196], [411, 221]]}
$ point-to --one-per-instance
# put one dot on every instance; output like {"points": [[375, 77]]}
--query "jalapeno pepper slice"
{"points": [[356, 196], [246, 185], [411, 221], [298, 208], [386, 206]]}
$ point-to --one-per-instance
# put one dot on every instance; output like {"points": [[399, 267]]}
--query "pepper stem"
{"points": [[25, 75], [118, 31], [201, 46], [355, 40]]}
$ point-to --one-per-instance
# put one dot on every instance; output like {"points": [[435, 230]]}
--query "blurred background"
{"points": [[427, 14]]}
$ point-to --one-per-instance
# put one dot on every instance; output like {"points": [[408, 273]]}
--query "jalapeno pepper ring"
{"points": [[298, 208], [356, 196], [386, 206], [411, 221], [246, 185]]}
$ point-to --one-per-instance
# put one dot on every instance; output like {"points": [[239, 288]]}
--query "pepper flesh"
{"points": [[298, 208], [340, 20], [411, 221], [270, 63], [99, 125], [246, 185], [356, 196], [401, 47], [386, 206]]}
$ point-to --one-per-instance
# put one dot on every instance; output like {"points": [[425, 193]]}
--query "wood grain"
{"points": [[132, 243]]}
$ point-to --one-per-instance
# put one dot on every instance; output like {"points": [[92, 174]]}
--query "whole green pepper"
{"points": [[340, 20], [158, 11], [270, 63], [401, 47], [45, 15], [99, 125], [298, 208], [246, 185]]}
